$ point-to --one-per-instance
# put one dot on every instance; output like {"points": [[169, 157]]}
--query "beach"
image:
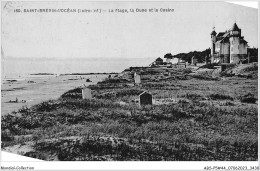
{"points": [[35, 89]]}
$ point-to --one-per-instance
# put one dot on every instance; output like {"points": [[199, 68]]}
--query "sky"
{"points": [[119, 35]]}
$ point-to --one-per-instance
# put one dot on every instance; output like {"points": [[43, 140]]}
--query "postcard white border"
{"points": [[16, 161]]}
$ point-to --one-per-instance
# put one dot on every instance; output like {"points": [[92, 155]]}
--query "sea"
{"points": [[19, 68]]}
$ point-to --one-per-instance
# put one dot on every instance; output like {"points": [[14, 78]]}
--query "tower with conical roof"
{"points": [[234, 37]]}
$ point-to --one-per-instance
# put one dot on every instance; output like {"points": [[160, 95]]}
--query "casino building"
{"points": [[228, 46]]}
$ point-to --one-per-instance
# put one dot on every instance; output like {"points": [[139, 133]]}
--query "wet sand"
{"points": [[37, 89]]}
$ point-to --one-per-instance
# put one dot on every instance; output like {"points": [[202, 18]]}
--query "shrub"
{"points": [[46, 106], [194, 97], [251, 68], [108, 86], [74, 94], [24, 109], [248, 98], [127, 92], [113, 80], [220, 97]]}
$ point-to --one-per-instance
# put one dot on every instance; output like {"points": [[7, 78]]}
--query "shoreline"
{"points": [[92, 73], [37, 89], [88, 73]]}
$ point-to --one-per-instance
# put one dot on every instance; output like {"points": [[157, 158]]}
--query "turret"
{"points": [[213, 41], [235, 31], [235, 34]]}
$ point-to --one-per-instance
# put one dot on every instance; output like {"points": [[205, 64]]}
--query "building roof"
{"points": [[234, 28], [159, 59], [219, 41], [226, 34], [224, 37], [220, 34], [243, 40], [213, 33], [144, 93]]}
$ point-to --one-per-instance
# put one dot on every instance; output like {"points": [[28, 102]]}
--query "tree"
{"points": [[199, 55], [168, 55]]}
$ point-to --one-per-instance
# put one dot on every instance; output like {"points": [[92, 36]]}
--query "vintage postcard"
{"points": [[146, 81]]}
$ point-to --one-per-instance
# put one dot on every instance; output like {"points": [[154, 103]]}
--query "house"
{"points": [[158, 61], [180, 65], [228, 46]]}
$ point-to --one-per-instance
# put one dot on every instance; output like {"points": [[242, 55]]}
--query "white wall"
{"points": [[234, 45], [242, 48], [225, 48]]}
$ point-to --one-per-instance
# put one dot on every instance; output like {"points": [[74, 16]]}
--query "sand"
{"points": [[36, 89]]}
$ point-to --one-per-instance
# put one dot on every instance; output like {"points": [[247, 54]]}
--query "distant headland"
{"points": [[91, 73]]}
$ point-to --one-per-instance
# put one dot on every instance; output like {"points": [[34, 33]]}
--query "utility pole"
{"points": [[248, 58]]}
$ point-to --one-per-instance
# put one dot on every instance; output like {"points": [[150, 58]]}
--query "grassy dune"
{"points": [[211, 120]]}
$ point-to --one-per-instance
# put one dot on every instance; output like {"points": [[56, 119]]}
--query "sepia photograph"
{"points": [[129, 81]]}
